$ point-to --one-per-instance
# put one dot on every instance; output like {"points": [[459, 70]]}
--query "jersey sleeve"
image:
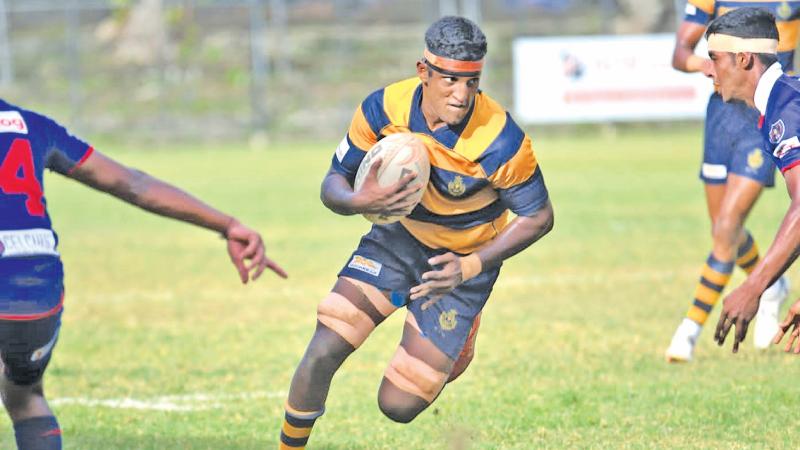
{"points": [[365, 127], [699, 11], [65, 152], [786, 152], [519, 182]]}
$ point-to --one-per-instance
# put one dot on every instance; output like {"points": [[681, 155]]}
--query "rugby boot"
{"points": [[683, 341], [768, 310]]}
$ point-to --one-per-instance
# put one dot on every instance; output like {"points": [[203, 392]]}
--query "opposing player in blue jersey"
{"points": [[442, 260], [743, 46], [734, 172], [31, 273]]}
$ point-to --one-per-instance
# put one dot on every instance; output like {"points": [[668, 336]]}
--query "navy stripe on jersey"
{"points": [[447, 135], [526, 198], [348, 166], [460, 221], [441, 178], [372, 107], [503, 148]]}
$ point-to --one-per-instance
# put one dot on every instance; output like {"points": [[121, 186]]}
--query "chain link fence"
{"points": [[231, 69]]}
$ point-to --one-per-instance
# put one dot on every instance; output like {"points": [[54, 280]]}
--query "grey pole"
{"points": [[258, 64], [448, 7], [73, 54], [472, 10], [7, 62]]}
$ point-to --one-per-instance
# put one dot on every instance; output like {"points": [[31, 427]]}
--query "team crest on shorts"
{"points": [[447, 320], [776, 131], [755, 159], [456, 187], [365, 265]]}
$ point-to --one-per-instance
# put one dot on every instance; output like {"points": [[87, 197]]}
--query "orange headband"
{"points": [[452, 65]]}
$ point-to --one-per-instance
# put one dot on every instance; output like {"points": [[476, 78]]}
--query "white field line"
{"points": [[172, 403]]}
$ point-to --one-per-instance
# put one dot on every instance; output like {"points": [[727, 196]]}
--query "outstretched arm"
{"points": [[741, 305], [245, 247]]}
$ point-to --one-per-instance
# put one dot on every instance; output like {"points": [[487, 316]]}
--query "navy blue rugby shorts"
{"points": [[733, 144], [392, 260]]}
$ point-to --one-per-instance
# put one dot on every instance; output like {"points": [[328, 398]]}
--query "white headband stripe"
{"points": [[732, 44]]}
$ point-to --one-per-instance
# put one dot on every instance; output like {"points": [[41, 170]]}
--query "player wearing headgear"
{"points": [[734, 172], [31, 273], [442, 260], [744, 46]]}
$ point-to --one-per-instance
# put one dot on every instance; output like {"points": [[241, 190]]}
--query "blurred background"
{"points": [[211, 70]]}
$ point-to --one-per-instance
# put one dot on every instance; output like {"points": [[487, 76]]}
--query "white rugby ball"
{"points": [[401, 153]]}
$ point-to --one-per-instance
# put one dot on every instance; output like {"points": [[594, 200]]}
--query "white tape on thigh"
{"points": [[337, 313], [415, 376]]}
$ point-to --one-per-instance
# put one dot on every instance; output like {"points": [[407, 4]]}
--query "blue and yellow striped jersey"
{"points": [[480, 169], [787, 17]]}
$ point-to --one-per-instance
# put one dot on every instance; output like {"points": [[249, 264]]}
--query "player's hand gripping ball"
{"points": [[401, 153]]}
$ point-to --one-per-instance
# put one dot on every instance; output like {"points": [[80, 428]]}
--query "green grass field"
{"points": [[161, 348]]}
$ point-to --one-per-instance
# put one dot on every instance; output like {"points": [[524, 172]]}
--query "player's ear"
{"points": [[422, 72], [745, 60]]}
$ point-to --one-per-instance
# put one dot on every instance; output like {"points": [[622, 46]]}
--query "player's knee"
{"points": [[19, 398], [401, 411], [345, 319], [726, 231]]}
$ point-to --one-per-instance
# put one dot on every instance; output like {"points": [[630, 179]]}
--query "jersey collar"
{"points": [[765, 85]]}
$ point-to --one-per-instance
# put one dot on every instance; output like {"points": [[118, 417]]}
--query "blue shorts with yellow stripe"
{"points": [[733, 144], [389, 258]]}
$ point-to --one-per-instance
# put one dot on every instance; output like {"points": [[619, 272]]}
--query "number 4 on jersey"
{"points": [[18, 176]]}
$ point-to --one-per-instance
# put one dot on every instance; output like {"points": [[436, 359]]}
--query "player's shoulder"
{"points": [[784, 100], [15, 118]]}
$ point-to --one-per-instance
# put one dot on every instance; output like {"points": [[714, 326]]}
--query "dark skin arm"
{"points": [[338, 196], [741, 305], [517, 236], [683, 57], [245, 247]]}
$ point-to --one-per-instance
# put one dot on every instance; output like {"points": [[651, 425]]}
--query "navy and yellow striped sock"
{"points": [[713, 279], [297, 428], [747, 256]]}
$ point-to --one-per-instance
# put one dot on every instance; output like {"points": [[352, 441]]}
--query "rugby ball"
{"points": [[401, 153]]}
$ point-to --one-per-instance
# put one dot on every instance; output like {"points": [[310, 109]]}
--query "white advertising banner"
{"points": [[604, 78]]}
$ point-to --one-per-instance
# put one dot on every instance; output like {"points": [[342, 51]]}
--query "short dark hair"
{"points": [[748, 23], [456, 38]]}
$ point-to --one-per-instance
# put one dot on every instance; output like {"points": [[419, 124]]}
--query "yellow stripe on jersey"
{"points": [[788, 35], [486, 123], [441, 157], [397, 100], [518, 169], [360, 132], [437, 203], [459, 241], [706, 6]]}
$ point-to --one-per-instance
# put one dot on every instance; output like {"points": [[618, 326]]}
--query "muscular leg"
{"points": [[35, 425], [728, 207], [728, 213], [345, 318], [415, 376]]}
